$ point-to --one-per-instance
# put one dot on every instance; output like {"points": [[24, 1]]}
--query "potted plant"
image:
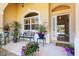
{"points": [[16, 27], [30, 49], [6, 30], [42, 31], [69, 49]]}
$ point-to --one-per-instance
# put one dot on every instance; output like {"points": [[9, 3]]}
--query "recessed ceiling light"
{"points": [[60, 17]]}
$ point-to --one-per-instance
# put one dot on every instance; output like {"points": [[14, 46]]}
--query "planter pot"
{"points": [[69, 51], [14, 40], [72, 51], [41, 35]]}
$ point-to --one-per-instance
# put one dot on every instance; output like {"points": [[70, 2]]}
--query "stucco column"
{"points": [[1, 20], [77, 31]]}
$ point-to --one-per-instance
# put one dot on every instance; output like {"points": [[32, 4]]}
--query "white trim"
{"points": [[69, 23], [54, 29]]}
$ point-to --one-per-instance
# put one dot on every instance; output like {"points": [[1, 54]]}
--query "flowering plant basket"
{"points": [[69, 49], [30, 48]]}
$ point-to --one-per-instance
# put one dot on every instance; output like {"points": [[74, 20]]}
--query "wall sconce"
{"points": [[60, 17], [22, 4]]}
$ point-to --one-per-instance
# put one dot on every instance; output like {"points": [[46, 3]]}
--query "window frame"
{"points": [[31, 23]]}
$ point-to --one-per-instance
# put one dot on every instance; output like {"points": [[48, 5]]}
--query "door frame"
{"points": [[69, 27]]}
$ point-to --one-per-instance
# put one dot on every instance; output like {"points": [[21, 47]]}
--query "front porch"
{"points": [[58, 24]]}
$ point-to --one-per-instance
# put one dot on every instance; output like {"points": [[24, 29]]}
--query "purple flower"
{"points": [[68, 49], [22, 51]]}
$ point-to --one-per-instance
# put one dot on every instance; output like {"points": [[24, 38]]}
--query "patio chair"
{"points": [[30, 35]]}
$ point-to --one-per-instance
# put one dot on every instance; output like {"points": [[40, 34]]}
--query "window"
{"points": [[31, 22]]}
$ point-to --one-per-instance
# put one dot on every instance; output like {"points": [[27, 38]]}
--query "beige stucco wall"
{"points": [[10, 13], [42, 9]]}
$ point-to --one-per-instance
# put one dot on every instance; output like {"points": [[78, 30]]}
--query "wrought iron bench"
{"points": [[30, 35]]}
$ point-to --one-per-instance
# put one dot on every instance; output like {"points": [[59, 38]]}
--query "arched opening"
{"points": [[31, 21], [60, 8], [31, 14]]}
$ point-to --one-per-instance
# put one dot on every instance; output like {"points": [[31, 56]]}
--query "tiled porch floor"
{"points": [[4, 52], [47, 50]]}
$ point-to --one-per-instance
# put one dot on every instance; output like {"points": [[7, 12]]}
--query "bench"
{"points": [[30, 35]]}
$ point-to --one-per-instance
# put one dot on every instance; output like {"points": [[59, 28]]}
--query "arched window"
{"points": [[31, 21]]}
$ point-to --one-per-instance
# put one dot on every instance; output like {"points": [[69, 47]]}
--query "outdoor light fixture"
{"points": [[60, 17], [22, 5]]}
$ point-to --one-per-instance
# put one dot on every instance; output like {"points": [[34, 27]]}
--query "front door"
{"points": [[60, 28]]}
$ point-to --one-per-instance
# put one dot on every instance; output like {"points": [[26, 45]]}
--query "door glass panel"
{"points": [[61, 29], [54, 24], [54, 27]]}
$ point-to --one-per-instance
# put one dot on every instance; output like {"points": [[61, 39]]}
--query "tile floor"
{"points": [[4, 52], [46, 50]]}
